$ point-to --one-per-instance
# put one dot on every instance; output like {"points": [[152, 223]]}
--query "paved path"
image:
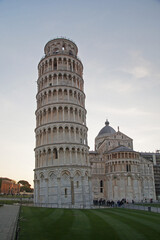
{"points": [[8, 221]]}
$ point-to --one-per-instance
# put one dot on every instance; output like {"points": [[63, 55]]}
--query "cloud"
{"points": [[137, 71], [138, 66], [132, 111]]}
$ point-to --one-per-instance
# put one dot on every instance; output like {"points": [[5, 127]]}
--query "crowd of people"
{"points": [[108, 203], [119, 203]]}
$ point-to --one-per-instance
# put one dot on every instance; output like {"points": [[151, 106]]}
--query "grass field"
{"points": [[10, 201], [97, 224], [16, 196]]}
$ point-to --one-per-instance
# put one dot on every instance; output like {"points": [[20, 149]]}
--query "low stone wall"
{"points": [[141, 207]]}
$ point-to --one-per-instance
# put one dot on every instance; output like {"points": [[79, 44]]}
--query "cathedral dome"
{"points": [[106, 131]]}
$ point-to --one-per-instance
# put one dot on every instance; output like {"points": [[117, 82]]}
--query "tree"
{"points": [[25, 186]]}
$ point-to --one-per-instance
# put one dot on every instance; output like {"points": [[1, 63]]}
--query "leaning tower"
{"points": [[62, 169]]}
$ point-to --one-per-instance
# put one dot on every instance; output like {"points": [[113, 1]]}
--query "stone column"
{"points": [[59, 192], [86, 140], [90, 190], [52, 135], [81, 161], [52, 160], [64, 156], [70, 153], [67, 64], [57, 79], [35, 191], [57, 64], [46, 158], [47, 98], [63, 114], [42, 138], [76, 155], [69, 134], [75, 135], [57, 134], [74, 117], [72, 190], [46, 192], [83, 192], [51, 115]]}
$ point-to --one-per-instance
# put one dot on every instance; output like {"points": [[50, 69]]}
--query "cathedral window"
{"points": [[65, 192], [128, 168], [55, 153], [101, 186], [55, 64], [77, 183], [70, 52]]}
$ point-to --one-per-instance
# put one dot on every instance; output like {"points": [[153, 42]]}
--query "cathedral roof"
{"points": [[121, 149], [106, 131], [93, 152]]}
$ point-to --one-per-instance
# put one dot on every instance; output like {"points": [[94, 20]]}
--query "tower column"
{"points": [[59, 192]]}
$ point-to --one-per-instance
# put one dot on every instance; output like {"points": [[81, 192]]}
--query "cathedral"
{"points": [[66, 173], [118, 172]]}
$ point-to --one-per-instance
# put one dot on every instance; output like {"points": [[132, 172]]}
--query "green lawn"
{"points": [[16, 196], [10, 201], [99, 224]]}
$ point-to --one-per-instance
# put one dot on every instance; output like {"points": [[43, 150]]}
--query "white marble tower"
{"points": [[62, 169]]}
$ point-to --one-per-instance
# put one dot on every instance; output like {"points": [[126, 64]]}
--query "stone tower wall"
{"points": [[62, 168]]}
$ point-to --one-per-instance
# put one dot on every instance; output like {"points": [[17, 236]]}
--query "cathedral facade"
{"points": [[66, 174]]}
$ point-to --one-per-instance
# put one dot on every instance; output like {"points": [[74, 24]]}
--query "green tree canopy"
{"points": [[24, 183], [25, 186]]}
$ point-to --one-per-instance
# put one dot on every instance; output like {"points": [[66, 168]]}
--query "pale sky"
{"points": [[119, 45]]}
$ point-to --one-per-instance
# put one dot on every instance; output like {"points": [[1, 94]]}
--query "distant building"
{"points": [[155, 159], [9, 186]]}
